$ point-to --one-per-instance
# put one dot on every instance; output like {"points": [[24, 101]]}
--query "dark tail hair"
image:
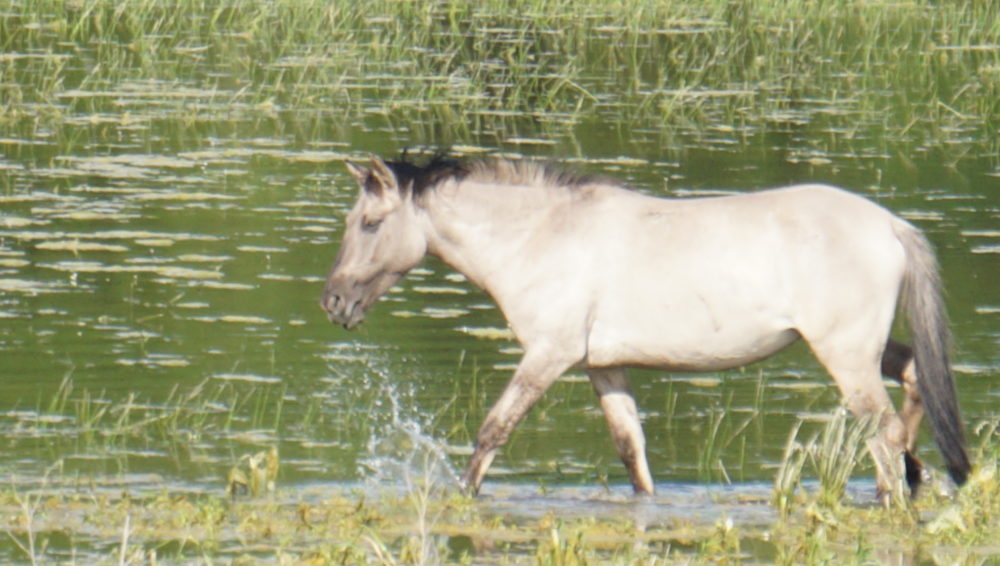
{"points": [[930, 335]]}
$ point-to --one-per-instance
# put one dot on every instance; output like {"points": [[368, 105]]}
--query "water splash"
{"points": [[400, 453]]}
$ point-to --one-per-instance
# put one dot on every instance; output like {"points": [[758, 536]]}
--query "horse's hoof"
{"points": [[916, 474]]}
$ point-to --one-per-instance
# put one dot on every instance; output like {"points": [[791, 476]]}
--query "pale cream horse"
{"points": [[594, 276]]}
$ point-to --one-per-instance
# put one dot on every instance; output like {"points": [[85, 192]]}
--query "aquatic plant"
{"points": [[453, 71], [832, 454], [426, 526]]}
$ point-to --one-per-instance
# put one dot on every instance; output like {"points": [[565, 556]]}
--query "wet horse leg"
{"points": [[897, 364], [611, 386], [534, 375], [854, 368]]}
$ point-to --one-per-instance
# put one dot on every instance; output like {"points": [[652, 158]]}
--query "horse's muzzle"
{"points": [[343, 309]]}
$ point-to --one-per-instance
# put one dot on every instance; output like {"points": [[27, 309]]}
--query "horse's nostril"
{"points": [[330, 302]]}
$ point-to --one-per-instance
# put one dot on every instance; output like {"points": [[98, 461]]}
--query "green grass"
{"points": [[926, 75], [254, 517], [83, 433], [423, 525], [832, 454]]}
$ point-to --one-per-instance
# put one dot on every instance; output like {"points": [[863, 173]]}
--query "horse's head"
{"points": [[383, 239]]}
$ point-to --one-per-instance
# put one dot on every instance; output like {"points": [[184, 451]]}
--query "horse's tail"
{"points": [[930, 335]]}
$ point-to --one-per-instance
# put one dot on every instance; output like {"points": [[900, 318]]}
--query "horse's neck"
{"points": [[478, 229]]}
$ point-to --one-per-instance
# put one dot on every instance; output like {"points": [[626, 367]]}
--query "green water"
{"points": [[171, 199]]}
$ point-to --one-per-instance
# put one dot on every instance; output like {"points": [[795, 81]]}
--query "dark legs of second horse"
{"points": [[897, 364]]}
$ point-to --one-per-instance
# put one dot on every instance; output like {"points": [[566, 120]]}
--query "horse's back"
{"points": [[716, 282], [809, 225]]}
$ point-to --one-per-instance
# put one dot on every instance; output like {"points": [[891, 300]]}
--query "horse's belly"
{"points": [[686, 349]]}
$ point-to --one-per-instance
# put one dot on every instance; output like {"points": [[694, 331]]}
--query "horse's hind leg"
{"points": [[611, 386], [855, 368], [897, 363]]}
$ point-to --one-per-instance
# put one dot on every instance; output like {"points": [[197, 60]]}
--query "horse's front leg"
{"points": [[611, 386], [534, 375]]}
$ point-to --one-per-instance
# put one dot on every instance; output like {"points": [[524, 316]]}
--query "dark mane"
{"points": [[419, 178], [439, 169]]}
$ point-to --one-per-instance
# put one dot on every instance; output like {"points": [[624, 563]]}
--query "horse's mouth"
{"points": [[346, 314], [347, 322], [353, 323]]}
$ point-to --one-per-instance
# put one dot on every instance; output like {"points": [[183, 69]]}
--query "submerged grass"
{"points": [[89, 436]]}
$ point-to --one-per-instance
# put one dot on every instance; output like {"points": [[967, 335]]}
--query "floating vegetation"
{"points": [[13, 222], [30, 236], [798, 385], [255, 474], [704, 382], [154, 361], [986, 249], [233, 319], [249, 378], [439, 290], [155, 242], [487, 333], [171, 271], [76, 246], [438, 312], [328, 525], [181, 196], [202, 258], [226, 285], [27, 286], [262, 249]]}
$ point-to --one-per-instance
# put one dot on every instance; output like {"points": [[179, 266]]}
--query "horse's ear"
{"points": [[383, 179], [358, 172]]}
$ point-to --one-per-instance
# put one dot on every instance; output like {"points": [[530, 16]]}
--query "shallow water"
{"points": [[144, 273], [164, 239]]}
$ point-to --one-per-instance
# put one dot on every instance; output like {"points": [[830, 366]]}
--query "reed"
{"points": [[79, 421], [832, 454], [725, 429], [926, 75]]}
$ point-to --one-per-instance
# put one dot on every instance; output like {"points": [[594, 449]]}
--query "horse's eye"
{"points": [[370, 225]]}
